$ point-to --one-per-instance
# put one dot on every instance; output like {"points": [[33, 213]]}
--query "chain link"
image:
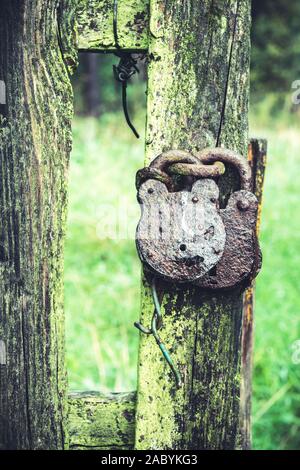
{"points": [[178, 163]]}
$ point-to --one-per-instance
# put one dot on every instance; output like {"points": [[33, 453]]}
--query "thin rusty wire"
{"points": [[125, 68], [156, 325]]}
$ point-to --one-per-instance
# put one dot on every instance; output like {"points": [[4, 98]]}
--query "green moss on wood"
{"points": [[99, 421], [95, 25]]}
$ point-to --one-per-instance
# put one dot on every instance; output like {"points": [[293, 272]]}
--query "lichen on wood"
{"points": [[95, 25], [102, 421], [197, 97]]}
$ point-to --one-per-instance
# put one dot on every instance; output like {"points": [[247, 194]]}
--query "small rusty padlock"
{"points": [[183, 235]]}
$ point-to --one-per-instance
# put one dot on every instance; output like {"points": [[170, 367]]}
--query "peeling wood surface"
{"points": [[257, 157], [102, 421], [197, 97], [95, 25]]}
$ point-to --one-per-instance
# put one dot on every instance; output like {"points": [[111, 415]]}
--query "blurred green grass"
{"points": [[102, 271], [102, 275], [276, 391]]}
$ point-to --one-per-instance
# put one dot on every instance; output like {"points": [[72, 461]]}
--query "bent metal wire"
{"points": [[125, 69], [156, 325]]}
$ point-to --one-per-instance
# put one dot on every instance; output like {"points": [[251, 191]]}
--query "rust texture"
{"points": [[197, 97], [241, 260], [183, 236], [180, 163]]}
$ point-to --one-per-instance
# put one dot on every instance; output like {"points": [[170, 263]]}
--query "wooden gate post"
{"points": [[257, 158], [35, 142], [197, 97]]}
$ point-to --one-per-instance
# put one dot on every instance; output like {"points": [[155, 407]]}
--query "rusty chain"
{"points": [[178, 163], [208, 163]]}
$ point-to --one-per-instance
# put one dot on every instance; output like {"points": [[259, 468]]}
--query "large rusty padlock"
{"points": [[183, 235]]}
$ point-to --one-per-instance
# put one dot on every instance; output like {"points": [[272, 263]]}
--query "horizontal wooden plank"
{"points": [[102, 421], [95, 25]]}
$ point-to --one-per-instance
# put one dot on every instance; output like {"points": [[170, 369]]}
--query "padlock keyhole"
{"points": [[213, 272]]}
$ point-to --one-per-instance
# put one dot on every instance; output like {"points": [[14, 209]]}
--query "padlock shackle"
{"points": [[208, 163], [170, 157], [218, 154], [159, 167]]}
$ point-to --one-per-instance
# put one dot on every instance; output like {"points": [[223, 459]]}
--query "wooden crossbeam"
{"points": [[95, 25], [101, 421]]}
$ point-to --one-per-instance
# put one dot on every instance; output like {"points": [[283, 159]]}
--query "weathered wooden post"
{"points": [[197, 97], [198, 55], [34, 152]]}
